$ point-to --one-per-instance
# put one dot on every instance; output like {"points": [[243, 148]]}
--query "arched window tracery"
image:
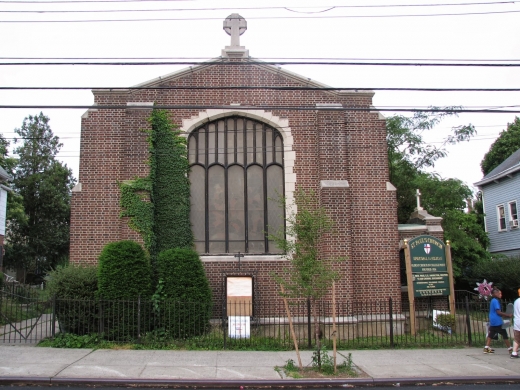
{"points": [[237, 175]]}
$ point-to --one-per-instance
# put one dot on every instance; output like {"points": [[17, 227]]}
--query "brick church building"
{"points": [[245, 146]]}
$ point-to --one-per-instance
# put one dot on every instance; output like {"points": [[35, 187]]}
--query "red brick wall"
{"points": [[329, 145]]}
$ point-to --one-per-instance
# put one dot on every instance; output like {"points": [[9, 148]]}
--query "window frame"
{"points": [[500, 218], [206, 163], [512, 215]]}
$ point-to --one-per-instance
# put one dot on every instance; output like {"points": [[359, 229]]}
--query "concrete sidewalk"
{"points": [[230, 369]]}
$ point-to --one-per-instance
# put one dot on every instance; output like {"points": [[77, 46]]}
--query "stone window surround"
{"points": [[280, 124]]}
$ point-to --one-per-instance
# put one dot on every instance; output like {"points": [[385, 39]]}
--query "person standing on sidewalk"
{"points": [[495, 322], [516, 327]]}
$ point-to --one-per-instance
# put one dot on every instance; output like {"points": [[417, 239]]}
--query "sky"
{"points": [[440, 31]]}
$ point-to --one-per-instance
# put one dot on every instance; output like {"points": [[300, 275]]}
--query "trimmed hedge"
{"points": [[124, 275], [124, 271], [75, 290], [188, 301]]}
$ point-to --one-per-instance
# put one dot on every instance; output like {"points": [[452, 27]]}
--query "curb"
{"points": [[244, 384]]}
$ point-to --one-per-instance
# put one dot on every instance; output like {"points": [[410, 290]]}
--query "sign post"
{"points": [[409, 278]]}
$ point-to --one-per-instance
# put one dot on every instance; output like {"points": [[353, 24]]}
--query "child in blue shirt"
{"points": [[495, 322]]}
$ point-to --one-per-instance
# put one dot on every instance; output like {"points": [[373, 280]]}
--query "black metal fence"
{"points": [[260, 325]]}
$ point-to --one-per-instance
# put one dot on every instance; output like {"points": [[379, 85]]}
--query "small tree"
{"points": [[311, 276], [124, 273], [187, 291]]}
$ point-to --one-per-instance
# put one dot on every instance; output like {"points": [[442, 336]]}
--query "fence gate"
{"points": [[24, 320]]}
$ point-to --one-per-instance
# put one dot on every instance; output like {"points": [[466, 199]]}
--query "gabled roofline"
{"points": [[498, 176], [271, 68]]}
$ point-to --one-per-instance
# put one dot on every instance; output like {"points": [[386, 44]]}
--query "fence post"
{"points": [[53, 317], [101, 326], [391, 313], [468, 322], [309, 322], [224, 313], [139, 319]]}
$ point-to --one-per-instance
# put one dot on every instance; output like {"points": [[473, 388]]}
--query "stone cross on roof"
{"points": [[235, 25], [418, 195]]}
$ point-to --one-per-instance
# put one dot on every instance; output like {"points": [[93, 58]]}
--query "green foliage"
{"points": [[74, 288], [159, 205], [311, 276], [124, 271], [408, 155], [42, 202], [136, 204], [69, 340], [503, 271], [187, 292], [445, 198], [170, 195], [72, 281], [504, 146], [2, 280], [445, 321]]}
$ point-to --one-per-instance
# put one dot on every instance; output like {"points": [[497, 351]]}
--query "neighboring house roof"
{"points": [[4, 175], [507, 168]]}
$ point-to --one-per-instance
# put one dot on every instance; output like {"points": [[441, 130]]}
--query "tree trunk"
{"points": [[317, 332]]}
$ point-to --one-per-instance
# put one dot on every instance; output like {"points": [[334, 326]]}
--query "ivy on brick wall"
{"points": [[159, 205], [170, 194], [135, 201]]}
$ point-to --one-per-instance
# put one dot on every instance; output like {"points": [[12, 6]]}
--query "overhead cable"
{"points": [[260, 18], [281, 108], [255, 62]]}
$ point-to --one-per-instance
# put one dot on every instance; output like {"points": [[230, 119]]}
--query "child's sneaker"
{"points": [[510, 349], [514, 356], [489, 350]]}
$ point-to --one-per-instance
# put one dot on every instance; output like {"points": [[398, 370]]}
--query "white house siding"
{"points": [[501, 193], [3, 210]]}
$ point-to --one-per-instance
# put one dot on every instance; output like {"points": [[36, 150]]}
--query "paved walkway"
{"points": [[27, 364]]}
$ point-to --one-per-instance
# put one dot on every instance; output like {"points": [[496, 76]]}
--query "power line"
{"points": [[322, 9], [260, 18], [281, 108], [270, 88], [270, 58], [254, 62]]}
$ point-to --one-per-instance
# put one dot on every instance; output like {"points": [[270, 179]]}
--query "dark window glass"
{"points": [[236, 176]]}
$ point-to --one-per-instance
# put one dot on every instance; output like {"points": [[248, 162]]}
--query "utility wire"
{"points": [[260, 18], [270, 88], [281, 108], [322, 9], [266, 58], [254, 62]]}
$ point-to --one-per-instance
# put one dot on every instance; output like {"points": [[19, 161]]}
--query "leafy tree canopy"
{"points": [[408, 156], [505, 145], [39, 238]]}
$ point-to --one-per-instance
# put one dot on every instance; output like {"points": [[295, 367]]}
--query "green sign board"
{"points": [[429, 271]]}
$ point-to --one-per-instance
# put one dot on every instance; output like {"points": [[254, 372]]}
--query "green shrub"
{"points": [[187, 307], [124, 275], [75, 290], [2, 277], [503, 271]]}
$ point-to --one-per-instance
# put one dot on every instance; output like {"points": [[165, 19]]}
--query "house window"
{"points": [[501, 212], [513, 214], [237, 175]]}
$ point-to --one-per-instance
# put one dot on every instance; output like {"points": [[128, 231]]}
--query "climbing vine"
{"points": [[159, 205], [135, 203], [170, 195]]}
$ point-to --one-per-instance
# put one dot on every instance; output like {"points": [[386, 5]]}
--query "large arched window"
{"points": [[236, 174]]}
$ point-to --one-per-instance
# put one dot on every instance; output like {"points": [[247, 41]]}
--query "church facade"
{"points": [[274, 133]]}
